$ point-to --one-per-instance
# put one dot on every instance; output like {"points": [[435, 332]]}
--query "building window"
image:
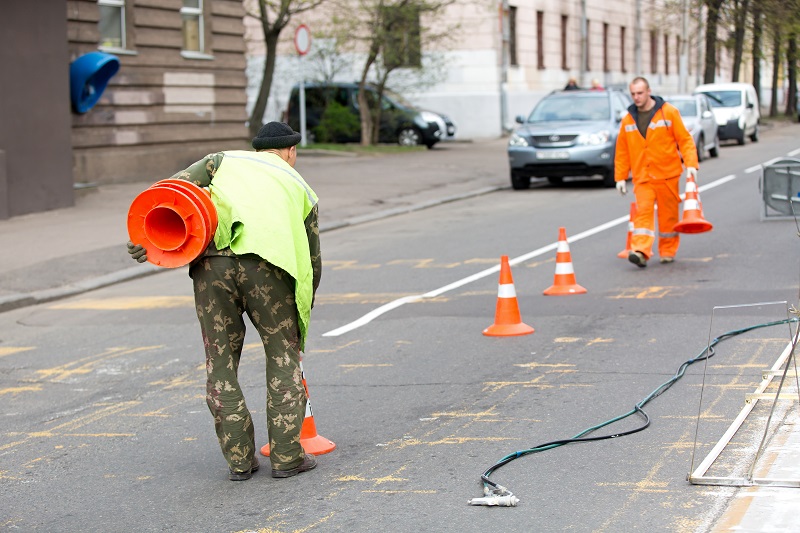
{"points": [[540, 40], [402, 26], [653, 52], [666, 54], [112, 23], [622, 49], [564, 28], [606, 67], [192, 14], [512, 35]]}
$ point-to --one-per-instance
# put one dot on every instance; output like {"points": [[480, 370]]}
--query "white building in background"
{"points": [[483, 80]]}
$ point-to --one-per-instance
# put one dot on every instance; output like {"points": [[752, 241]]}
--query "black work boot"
{"points": [[309, 463]]}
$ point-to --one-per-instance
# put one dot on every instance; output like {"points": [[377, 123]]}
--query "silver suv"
{"points": [[568, 133]]}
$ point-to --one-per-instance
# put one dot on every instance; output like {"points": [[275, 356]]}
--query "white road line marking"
{"points": [[375, 313], [794, 153]]}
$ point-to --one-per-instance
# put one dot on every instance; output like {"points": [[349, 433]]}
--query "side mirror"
{"points": [[750, 105], [519, 119]]}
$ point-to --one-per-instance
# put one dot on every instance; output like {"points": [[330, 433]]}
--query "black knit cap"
{"points": [[275, 135]]}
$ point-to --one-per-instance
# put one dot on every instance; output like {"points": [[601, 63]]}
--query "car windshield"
{"points": [[400, 99], [687, 108], [724, 98], [563, 107]]}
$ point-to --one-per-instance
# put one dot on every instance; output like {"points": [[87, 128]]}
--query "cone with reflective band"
{"points": [[507, 320], [564, 282], [692, 221], [624, 253], [309, 439]]}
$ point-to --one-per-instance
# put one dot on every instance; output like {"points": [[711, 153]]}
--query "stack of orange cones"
{"points": [[624, 253], [507, 320], [692, 221], [564, 282], [309, 439]]}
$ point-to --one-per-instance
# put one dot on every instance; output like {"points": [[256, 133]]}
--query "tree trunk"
{"points": [[776, 65], [738, 45], [758, 30], [257, 114], [791, 60], [712, 20]]}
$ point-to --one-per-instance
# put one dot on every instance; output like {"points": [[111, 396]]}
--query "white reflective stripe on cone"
{"points": [[690, 205], [562, 247], [691, 186], [564, 268], [506, 291]]}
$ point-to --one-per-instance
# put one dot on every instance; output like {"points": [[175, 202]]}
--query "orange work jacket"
{"points": [[657, 156]]}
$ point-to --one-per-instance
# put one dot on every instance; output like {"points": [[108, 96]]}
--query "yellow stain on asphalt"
{"points": [[402, 491], [105, 435], [123, 304], [422, 263], [332, 350], [566, 339], [490, 412], [11, 350], [645, 293], [365, 365], [18, 390], [391, 478], [351, 298], [351, 478], [640, 486], [348, 265], [599, 340], [448, 441], [544, 365], [87, 365]]}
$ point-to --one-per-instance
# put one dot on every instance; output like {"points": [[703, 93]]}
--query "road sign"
{"points": [[302, 39]]}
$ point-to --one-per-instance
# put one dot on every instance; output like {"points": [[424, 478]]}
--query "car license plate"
{"points": [[552, 155]]}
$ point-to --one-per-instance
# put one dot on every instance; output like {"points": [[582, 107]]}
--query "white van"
{"points": [[735, 108]]}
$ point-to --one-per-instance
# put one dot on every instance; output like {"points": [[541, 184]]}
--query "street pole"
{"points": [[504, 39], [584, 44], [683, 63], [637, 38]]}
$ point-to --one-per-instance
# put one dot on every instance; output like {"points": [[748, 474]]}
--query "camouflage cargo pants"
{"points": [[225, 288]]}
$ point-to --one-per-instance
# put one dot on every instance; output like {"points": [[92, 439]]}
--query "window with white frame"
{"points": [[112, 23], [192, 14]]}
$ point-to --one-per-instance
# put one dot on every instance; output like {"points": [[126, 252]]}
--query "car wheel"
{"points": [[754, 136], [608, 179], [742, 140], [714, 152], [520, 182], [701, 149], [430, 144], [409, 137]]}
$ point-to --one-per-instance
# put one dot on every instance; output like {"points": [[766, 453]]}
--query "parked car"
{"points": [[401, 121], [568, 133], [698, 118], [735, 106]]}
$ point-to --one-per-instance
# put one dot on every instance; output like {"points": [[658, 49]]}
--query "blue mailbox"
{"points": [[88, 77]]}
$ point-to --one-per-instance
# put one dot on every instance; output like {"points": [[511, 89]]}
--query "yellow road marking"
{"points": [[348, 265], [543, 365], [348, 368], [331, 350], [88, 364], [119, 304], [650, 292], [423, 263], [11, 350], [17, 390]]}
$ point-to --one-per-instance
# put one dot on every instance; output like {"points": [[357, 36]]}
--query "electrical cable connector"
{"points": [[500, 497]]}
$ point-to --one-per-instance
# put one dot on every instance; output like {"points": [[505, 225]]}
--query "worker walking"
{"points": [[653, 145], [264, 260]]}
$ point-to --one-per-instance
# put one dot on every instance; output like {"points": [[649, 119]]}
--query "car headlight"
{"points": [[593, 139], [427, 116], [517, 140]]}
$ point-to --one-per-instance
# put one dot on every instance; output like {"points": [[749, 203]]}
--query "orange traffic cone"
{"points": [[507, 320], [309, 440], [693, 221], [624, 253], [564, 282]]}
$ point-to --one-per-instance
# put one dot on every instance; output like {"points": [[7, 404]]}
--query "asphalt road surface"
{"points": [[105, 426]]}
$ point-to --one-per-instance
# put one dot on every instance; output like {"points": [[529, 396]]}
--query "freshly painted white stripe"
{"points": [[506, 290], [564, 268], [794, 153], [758, 167], [375, 313], [752, 169]]}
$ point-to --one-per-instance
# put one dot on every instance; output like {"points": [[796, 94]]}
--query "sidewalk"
{"points": [[56, 254]]}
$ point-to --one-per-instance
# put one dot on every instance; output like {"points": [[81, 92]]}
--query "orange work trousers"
{"points": [[665, 194]]}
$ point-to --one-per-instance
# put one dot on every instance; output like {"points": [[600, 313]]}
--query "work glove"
{"points": [[691, 171], [137, 252], [622, 187]]}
